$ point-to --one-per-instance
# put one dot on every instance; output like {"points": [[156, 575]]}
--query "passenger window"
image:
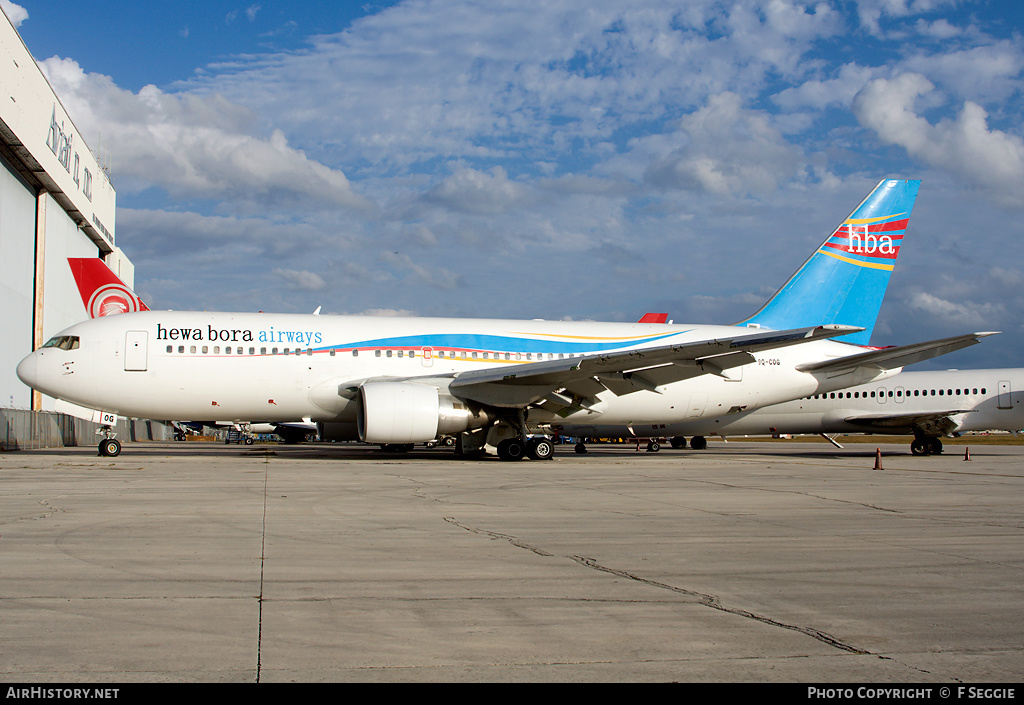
{"points": [[355, 353], [252, 351], [206, 349], [263, 351], [170, 348], [192, 349]]}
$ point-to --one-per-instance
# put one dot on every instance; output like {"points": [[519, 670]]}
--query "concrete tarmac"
{"points": [[747, 562]]}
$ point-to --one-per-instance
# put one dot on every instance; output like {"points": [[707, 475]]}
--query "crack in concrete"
{"points": [[714, 603], [704, 599], [504, 537]]}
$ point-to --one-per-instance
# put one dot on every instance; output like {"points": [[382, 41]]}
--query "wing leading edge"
{"points": [[577, 381]]}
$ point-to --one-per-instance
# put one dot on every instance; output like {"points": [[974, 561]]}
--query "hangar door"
{"points": [[135, 344]]}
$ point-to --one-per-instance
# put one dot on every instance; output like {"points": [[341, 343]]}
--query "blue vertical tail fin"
{"points": [[845, 279]]}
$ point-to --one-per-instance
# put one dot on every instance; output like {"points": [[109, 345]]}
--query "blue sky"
{"points": [[550, 159]]}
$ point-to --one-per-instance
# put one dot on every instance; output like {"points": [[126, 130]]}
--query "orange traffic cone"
{"points": [[967, 453], [878, 458]]}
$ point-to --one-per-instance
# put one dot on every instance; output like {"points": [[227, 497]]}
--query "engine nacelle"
{"points": [[406, 412]]}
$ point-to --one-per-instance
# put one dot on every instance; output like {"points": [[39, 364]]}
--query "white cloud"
{"points": [[966, 146], [303, 281], [432, 276], [872, 12], [472, 191], [726, 149], [15, 13], [819, 94], [990, 72], [964, 314], [195, 146]]}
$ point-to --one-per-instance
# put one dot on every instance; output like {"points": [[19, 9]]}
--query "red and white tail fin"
{"points": [[103, 292], [654, 318]]}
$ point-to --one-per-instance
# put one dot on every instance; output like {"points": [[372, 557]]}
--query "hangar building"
{"points": [[56, 202]]}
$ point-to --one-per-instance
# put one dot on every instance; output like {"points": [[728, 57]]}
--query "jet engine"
{"points": [[407, 412]]}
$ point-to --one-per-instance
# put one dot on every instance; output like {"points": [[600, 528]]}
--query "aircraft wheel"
{"points": [[580, 448], [698, 442], [934, 446], [248, 441], [653, 446], [111, 447], [511, 449], [920, 446], [540, 449], [678, 441]]}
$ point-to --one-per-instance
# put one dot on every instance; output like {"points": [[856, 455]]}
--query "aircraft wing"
{"points": [[577, 381], [937, 423], [897, 356]]}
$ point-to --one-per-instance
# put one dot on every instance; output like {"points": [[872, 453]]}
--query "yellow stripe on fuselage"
{"points": [[590, 337]]}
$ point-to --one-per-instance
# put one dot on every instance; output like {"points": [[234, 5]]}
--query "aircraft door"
{"points": [[136, 343], [900, 394], [881, 395], [427, 357], [1004, 395], [698, 400]]}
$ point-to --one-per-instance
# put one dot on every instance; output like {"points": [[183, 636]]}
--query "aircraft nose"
{"points": [[27, 370]]}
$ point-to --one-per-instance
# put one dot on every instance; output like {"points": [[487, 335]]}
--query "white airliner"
{"points": [[106, 294], [928, 405], [398, 381]]}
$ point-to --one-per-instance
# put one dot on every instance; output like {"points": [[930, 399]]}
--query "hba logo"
{"points": [[867, 243]]}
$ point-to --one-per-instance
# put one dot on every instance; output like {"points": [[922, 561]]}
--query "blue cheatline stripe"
{"points": [[498, 343]]}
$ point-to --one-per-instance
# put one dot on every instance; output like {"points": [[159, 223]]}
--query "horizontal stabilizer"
{"points": [[898, 356]]}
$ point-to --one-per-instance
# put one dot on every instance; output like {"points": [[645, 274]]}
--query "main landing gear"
{"points": [[538, 448], [922, 445]]}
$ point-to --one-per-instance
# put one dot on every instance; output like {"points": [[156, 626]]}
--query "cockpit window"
{"points": [[64, 342]]}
